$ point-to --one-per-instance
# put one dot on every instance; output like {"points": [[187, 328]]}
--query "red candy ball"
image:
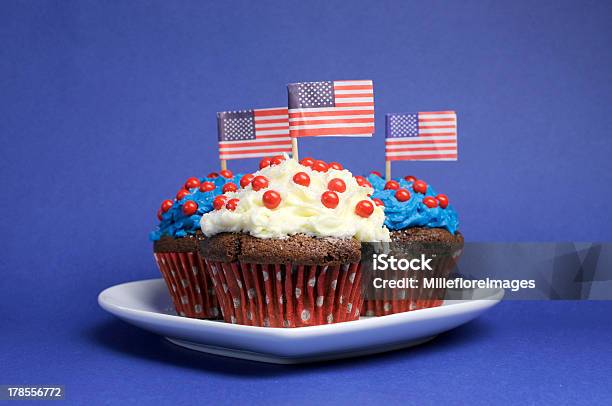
{"points": [[226, 173], [264, 163], [330, 199], [378, 202], [246, 180], [159, 214], [307, 161], [212, 175], [277, 160], [192, 183], [207, 186], [336, 166], [232, 204], [271, 199], [166, 204], [219, 202], [361, 181], [364, 208], [229, 187], [392, 185], [443, 200], [301, 178], [376, 173], [182, 193], [430, 202], [190, 207], [320, 166], [259, 182], [402, 195], [419, 186], [410, 178], [337, 185]]}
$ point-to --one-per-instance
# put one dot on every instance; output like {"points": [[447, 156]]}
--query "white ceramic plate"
{"points": [[147, 304]]}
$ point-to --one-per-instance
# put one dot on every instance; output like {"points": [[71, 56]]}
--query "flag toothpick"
{"points": [[294, 149], [330, 109], [253, 133], [423, 136]]}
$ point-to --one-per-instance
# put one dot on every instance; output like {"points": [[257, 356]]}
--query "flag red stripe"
{"points": [[436, 119], [356, 104], [274, 121], [417, 157], [436, 112], [329, 113], [257, 151], [427, 127], [410, 142], [450, 148], [353, 87], [252, 144], [353, 95], [332, 131], [263, 113], [437, 134], [364, 120]]}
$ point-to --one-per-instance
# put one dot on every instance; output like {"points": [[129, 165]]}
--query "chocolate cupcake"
{"points": [[420, 221], [285, 250], [176, 245]]}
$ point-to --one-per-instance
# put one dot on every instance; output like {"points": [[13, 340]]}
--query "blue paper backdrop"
{"points": [[107, 107]]}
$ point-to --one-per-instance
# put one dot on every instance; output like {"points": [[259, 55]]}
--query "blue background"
{"points": [[107, 107]]}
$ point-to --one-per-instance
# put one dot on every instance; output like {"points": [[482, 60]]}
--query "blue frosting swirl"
{"points": [[412, 213], [176, 224]]}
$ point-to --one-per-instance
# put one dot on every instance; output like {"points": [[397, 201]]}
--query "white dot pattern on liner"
{"points": [[311, 282], [298, 293], [184, 299], [349, 307], [266, 322], [194, 269], [265, 275], [267, 300], [251, 293], [184, 282], [215, 311], [387, 306], [320, 301], [236, 302], [330, 318], [305, 315], [198, 290], [352, 277], [278, 276], [197, 308], [225, 288], [233, 319], [249, 315], [173, 288], [334, 283], [286, 323], [281, 299], [239, 283]]}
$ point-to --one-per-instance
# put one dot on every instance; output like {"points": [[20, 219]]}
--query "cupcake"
{"points": [[284, 251], [420, 221], [175, 244]]}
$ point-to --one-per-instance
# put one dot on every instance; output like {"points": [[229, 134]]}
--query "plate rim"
{"points": [[280, 332]]}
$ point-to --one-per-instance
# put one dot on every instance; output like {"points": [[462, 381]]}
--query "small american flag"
{"points": [[424, 136], [253, 133], [331, 109]]}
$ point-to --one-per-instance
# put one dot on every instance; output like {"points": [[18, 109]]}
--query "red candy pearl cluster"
{"points": [[267, 161], [259, 182]]}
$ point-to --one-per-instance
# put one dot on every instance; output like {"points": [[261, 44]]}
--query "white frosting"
{"points": [[301, 210]]}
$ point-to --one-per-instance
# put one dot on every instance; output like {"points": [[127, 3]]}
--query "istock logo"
{"points": [[383, 262]]}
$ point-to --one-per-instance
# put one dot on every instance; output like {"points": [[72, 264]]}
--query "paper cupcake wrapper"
{"points": [[287, 295], [391, 301], [189, 284]]}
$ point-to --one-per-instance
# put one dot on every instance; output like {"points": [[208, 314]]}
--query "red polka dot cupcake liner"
{"points": [[287, 295], [385, 301], [189, 285]]}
